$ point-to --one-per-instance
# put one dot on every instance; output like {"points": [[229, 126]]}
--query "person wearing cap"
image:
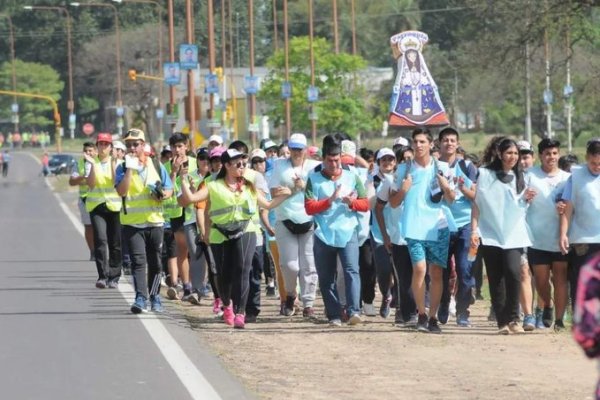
{"points": [[271, 149], [386, 163], [579, 223], [214, 141], [464, 174], [294, 229], [387, 218], [399, 143], [119, 150], [202, 161], [547, 181], [233, 201], [334, 195], [423, 187], [498, 223], [79, 178], [144, 183], [526, 161], [203, 223], [104, 205], [166, 154], [182, 220], [258, 163]]}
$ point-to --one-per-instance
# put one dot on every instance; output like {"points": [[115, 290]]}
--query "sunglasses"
{"points": [[132, 144], [239, 164]]}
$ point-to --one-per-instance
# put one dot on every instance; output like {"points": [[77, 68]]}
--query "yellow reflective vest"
{"points": [[140, 207], [104, 190]]}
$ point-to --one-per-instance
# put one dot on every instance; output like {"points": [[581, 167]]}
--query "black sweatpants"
{"points": [[107, 242], [576, 261], [402, 270], [145, 247], [503, 268], [366, 265], [234, 263]]}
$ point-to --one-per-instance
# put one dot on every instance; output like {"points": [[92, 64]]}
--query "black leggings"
{"points": [[402, 270], [503, 268], [233, 259], [367, 272]]}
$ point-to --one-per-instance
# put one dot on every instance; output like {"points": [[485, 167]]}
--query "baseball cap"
{"points": [[268, 144], [135, 134], [104, 137], [524, 146], [216, 152], [119, 145], [258, 153], [231, 154], [215, 138], [385, 151], [166, 149], [297, 141], [401, 141], [202, 152], [349, 148]]}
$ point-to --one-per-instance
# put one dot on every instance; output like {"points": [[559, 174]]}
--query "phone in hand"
{"points": [[185, 164]]}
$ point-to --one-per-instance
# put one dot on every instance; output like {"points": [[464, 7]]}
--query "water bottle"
{"points": [[472, 253]]}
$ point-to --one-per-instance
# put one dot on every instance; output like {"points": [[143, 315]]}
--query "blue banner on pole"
{"points": [[188, 56], [286, 90], [251, 84], [171, 73], [313, 94], [211, 83]]}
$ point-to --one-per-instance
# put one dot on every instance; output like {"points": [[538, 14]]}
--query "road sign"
{"points": [[87, 128]]}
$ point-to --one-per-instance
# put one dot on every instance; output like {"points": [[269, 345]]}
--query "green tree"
{"points": [[32, 78], [343, 104]]}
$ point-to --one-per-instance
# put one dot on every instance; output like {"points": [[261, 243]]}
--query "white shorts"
{"points": [[85, 215]]}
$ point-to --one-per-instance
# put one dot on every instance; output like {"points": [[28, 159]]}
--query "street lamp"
{"points": [[118, 51], [159, 10], [71, 103], [14, 74]]}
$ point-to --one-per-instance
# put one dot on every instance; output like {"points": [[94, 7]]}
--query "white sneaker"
{"points": [[369, 310], [452, 307], [355, 319]]}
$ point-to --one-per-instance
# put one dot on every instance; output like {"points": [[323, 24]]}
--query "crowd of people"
{"points": [[417, 220]]}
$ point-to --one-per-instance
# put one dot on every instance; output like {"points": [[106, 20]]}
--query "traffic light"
{"points": [[219, 73], [132, 74]]}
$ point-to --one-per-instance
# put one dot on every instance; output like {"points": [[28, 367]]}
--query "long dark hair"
{"points": [[496, 164], [223, 171], [490, 153]]}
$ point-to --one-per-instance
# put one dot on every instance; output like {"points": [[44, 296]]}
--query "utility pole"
{"points": [[252, 103], [353, 15], [211, 59], [275, 33], [312, 71], [172, 60], [288, 105], [189, 22], [336, 40], [547, 92], [568, 90]]}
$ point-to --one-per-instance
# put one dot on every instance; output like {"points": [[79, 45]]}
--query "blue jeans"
{"points": [[459, 247], [326, 264]]}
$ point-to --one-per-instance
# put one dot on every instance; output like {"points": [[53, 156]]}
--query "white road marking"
{"points": [[189, 375]]}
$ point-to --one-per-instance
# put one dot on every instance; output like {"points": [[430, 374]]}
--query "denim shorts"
{"points": [[432, 251]]}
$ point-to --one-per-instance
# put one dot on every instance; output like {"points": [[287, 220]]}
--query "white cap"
{"points": [[525, 146], [349, 148], [258, 153], [166, 148], [385, 151], [268, 144], [297, 141], [215, 138], [401, 141], [119, 145]]}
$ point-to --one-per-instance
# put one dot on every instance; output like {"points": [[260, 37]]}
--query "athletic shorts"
{"points": [[177, 223], [432, 251], [169, 248], [543, 257], [85, 215]]}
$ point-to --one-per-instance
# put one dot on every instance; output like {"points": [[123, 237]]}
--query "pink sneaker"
{"points": [[228, 315], [240, 321], [217, 304]]}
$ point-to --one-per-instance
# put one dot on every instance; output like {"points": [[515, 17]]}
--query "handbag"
{"points": [[297, 229], [232, 230]]}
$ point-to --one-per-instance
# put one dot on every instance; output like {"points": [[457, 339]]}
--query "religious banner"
{"points": [[415, 99]]}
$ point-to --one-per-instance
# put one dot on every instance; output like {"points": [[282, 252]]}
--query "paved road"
{"points": [[60, 337]]}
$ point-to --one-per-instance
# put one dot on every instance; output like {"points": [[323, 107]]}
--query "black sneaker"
{"points": [[433, 326], [250, 318], [548, 316], [559, 325], [422, 323], [289, 308], [270, 293], [398, 319]]}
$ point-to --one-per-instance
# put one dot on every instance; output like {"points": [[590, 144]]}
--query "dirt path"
{"points": [[295, 359]]}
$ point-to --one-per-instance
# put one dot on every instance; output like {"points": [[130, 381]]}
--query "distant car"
{"points": [[62, 164]]}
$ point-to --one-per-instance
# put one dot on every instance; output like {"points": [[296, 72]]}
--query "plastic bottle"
{"points": [[472, 253]]}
